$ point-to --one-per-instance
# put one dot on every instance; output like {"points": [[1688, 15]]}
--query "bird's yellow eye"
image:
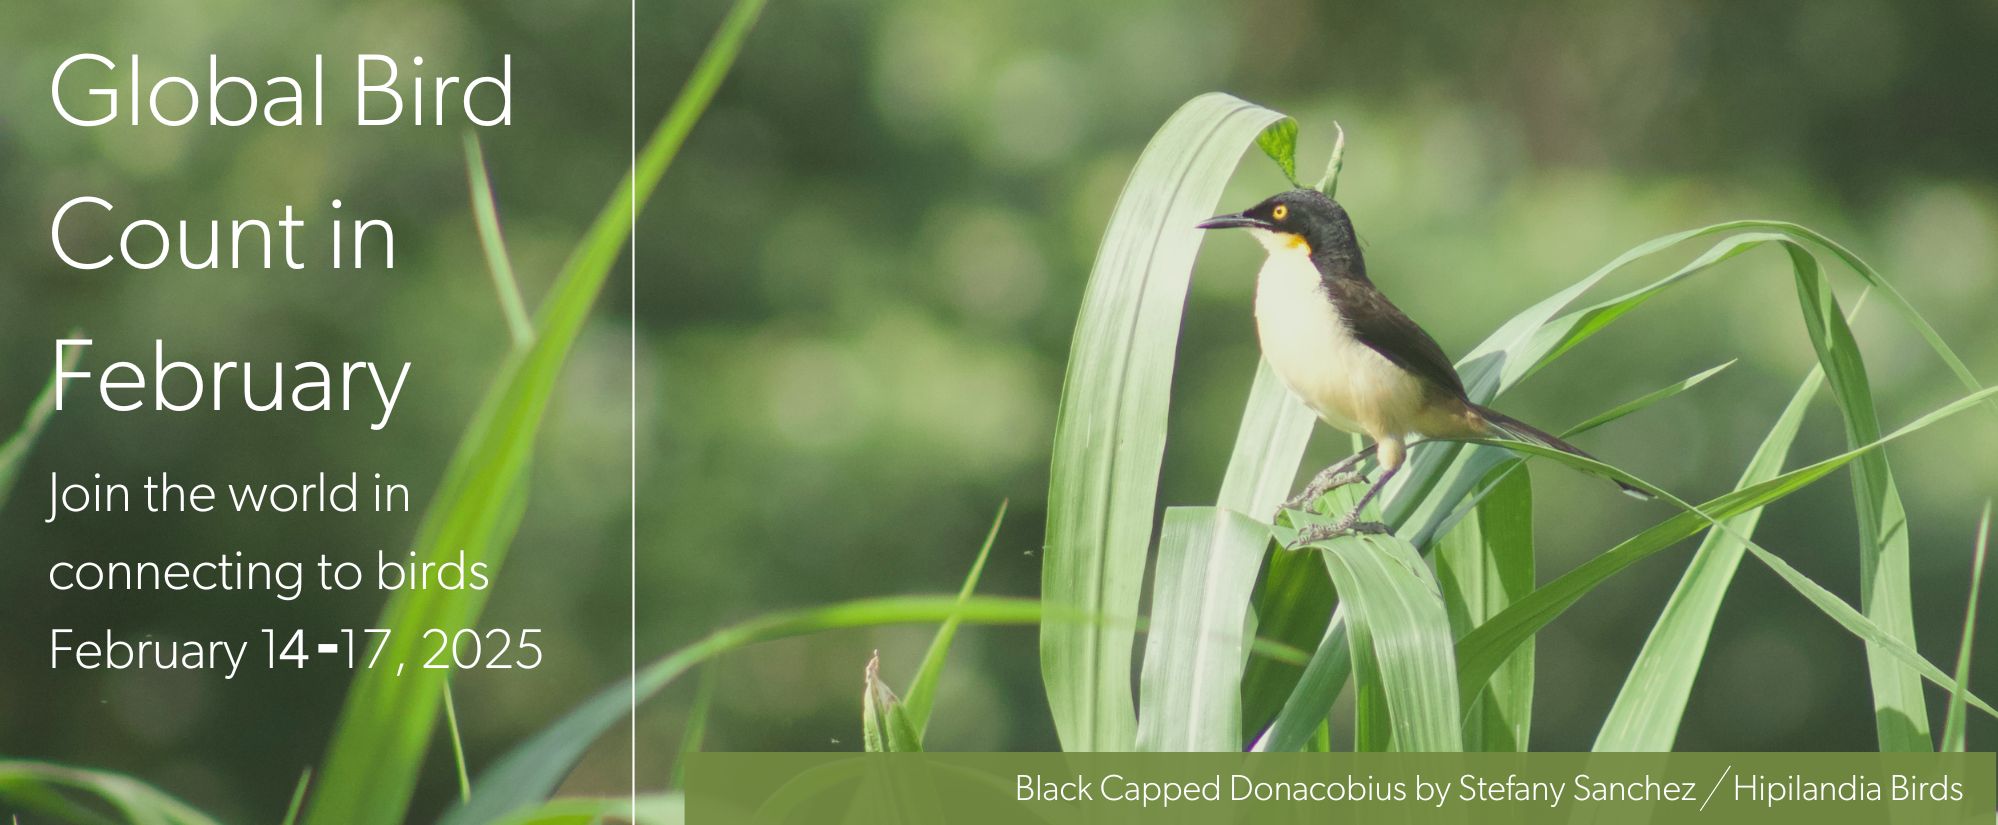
{"points": [[1280, 212]]}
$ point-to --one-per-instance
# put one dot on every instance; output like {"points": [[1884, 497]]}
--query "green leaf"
{"points": [[1645, 400], [1279, 141], [923, 690], [1901, 715], [1329, 183], [529, 772], [14, 451], [378, 744], [1190, 685], [1647, 711], [885, 723], [1480, 652], [696, 731], [485, 215], [1953, 725], [1276, 426], [1485, 564], [1856, 623], [1110, 432], [1403, 665], [52, 790]]}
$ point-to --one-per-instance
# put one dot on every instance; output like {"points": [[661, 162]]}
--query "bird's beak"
{"points": [[1235, 220]]}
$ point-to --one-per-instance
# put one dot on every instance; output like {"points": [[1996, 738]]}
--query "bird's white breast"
{"points": [[1313, 350]]}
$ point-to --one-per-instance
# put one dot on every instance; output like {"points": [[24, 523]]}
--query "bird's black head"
{"points": [[1301, 218]]}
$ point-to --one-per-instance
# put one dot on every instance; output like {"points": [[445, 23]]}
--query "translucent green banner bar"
{"points": [[1106, 789]]}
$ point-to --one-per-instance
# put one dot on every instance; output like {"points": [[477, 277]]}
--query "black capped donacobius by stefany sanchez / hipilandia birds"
{"points": [[1350, 353]]}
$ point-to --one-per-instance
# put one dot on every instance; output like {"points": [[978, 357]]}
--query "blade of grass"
{"points": [[1901, 715], [1110, 432], [1480, 652], [14, 451], [923, 689], [1190, 686], [1954, 723], [1403, 661], [691, 740], [41, 786], [1647, 711], [457, 744], [485, 215], [378, 743], [1485, 564], [297, 797]]}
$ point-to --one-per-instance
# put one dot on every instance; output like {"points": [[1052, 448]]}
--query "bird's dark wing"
{"points": [[1383, 327]]}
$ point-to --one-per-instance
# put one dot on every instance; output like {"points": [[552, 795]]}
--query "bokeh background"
{"points": [[855, 294]]}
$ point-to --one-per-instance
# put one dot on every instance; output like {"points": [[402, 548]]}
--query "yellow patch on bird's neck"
{"points": [[1298, 242]]}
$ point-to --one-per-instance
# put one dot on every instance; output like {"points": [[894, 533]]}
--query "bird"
{"points": [[1352, 356]]}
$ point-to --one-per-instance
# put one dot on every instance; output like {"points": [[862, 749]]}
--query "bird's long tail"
{"points": [[1522, 431]]}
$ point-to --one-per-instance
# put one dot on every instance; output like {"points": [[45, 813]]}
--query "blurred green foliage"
{"points": [[855, 294]]}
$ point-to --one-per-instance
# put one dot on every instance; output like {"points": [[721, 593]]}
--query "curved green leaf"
{"points": [[1110, 433]]}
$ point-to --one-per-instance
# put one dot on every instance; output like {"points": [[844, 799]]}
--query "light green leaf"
{"points": [[1279, 141], [1110, 432], [1403, 665], [1954, 724], [1485, 564], [1480, 653], [384, 727], [923, 689], [54, 790], [1900, 714], [1195, 648], [1329, 183], [1648, 709]]}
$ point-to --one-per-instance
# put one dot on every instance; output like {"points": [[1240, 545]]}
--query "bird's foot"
{"points": [[1311, 534], [1319, 486]]}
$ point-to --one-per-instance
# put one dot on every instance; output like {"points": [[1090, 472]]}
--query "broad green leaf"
{"points": [[1648, 709], [378, 743], [1484, 564], [14, 451], [1403, 663], [1190, 686], [1954, 724], [1279, 141], [885, 723], [529, 772], [1269, 445], [1480, 653], [54, 791], [1110, 432], [923, 689], [1900, 714]]}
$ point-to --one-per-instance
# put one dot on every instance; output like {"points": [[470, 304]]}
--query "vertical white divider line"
{"points": [[632, 137]]}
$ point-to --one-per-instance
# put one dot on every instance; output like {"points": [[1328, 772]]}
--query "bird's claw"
{"points": [[1314, 533], [1319, 487]]}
